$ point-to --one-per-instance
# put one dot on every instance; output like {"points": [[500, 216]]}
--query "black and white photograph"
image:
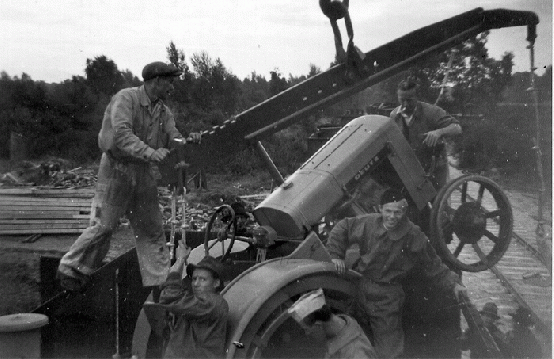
{"points": [[276, 179]]}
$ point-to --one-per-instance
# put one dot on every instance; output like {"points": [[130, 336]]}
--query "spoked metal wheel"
{"points": [[471, 223], [223, 222], [273, 333]]}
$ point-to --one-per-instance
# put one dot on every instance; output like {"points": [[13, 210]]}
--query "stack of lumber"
{"points": [[44, 210]]}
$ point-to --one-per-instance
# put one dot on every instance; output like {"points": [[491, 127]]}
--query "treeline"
{"points": [[63, 119]]}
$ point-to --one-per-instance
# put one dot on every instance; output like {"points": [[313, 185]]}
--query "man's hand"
{"points": [[458, 288], [159, 154], [182, 252], [339, 265], [194, 137], [432, 138]]}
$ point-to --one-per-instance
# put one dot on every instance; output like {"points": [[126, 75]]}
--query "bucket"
{"points": [[20, 335]]}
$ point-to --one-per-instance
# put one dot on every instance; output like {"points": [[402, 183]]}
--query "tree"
{"points": [[477, 79], [254, 90], [177, 57], [214, 87], [103, 75], [130, 80], [277, 83], [314, 70]]}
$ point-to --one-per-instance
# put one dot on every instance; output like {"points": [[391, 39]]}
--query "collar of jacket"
{"points": [[145, 100], [396, 233], [418, 109]]}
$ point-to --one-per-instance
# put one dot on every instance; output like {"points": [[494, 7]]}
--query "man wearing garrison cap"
{"points": [[424, 125], [136, 132], [391, 247]]}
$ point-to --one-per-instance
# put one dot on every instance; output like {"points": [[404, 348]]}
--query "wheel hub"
{"points": [[469, 222]]}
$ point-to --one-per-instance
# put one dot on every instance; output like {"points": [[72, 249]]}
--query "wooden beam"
{"points": [[29, 199], [40, 221], [44, 208], [44, 215], [44, 230]]}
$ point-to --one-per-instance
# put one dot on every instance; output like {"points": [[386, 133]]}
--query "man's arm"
{"points": [[435, 269], [338, 242], [433, 137], [122, 123], [182, 254]]}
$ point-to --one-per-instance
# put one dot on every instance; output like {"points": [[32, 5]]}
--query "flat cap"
{"points": [[159, 68], [209, 263]]}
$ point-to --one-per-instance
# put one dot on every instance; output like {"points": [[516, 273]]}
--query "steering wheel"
{"points": [[225, 221]]}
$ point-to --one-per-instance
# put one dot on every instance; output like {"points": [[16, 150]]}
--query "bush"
{"points": [[505, 140]]}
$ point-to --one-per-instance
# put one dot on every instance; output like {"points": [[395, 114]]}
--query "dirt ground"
{"points": [[19, 278]]}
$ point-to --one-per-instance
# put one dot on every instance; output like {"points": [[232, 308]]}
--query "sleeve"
{"points": [[442, 119], [193, 307], [338, 240], [122, 123], [170, 127], [172, 289], [431, 263]]}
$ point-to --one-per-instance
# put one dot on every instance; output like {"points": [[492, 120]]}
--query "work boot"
{"points": [[72, 284]]}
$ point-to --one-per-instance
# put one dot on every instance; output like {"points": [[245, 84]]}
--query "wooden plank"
{"points": [[40, 208], [88, 192], [45, 215], [44, 226], [43, 230], [40, 221], [70, 206], [22, 199]]}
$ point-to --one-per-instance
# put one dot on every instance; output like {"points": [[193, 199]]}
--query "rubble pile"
{"points": [[50, 173]]}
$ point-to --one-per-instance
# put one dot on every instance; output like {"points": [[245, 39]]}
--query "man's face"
{"points": [[164, 86], [203, 282], [393, 212], [408, 101]]}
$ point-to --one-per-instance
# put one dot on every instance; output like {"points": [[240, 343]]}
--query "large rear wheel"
{"points": [[274, 334]]}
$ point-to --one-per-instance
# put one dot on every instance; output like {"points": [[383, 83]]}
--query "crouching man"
{"points": [[345, 337], [192, 317]]}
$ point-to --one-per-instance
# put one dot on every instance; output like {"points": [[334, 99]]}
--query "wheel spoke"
{"points": [[464, 192], [458, 249], [493, 214], [492, 237], [481, 255], [480, 193], [213, 244]]}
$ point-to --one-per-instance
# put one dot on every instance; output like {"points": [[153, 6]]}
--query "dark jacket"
{"points": [[427, 118], [197, 326], [387, 257]]}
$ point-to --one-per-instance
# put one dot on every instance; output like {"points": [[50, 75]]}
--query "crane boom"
{"points": [[342, 81]]}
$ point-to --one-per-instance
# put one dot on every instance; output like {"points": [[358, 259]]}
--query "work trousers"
{"points": [[441, 176], [122, 189], [382, 303]]}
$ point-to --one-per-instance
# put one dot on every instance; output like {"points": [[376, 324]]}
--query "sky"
{"points": [[52, 40]]}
